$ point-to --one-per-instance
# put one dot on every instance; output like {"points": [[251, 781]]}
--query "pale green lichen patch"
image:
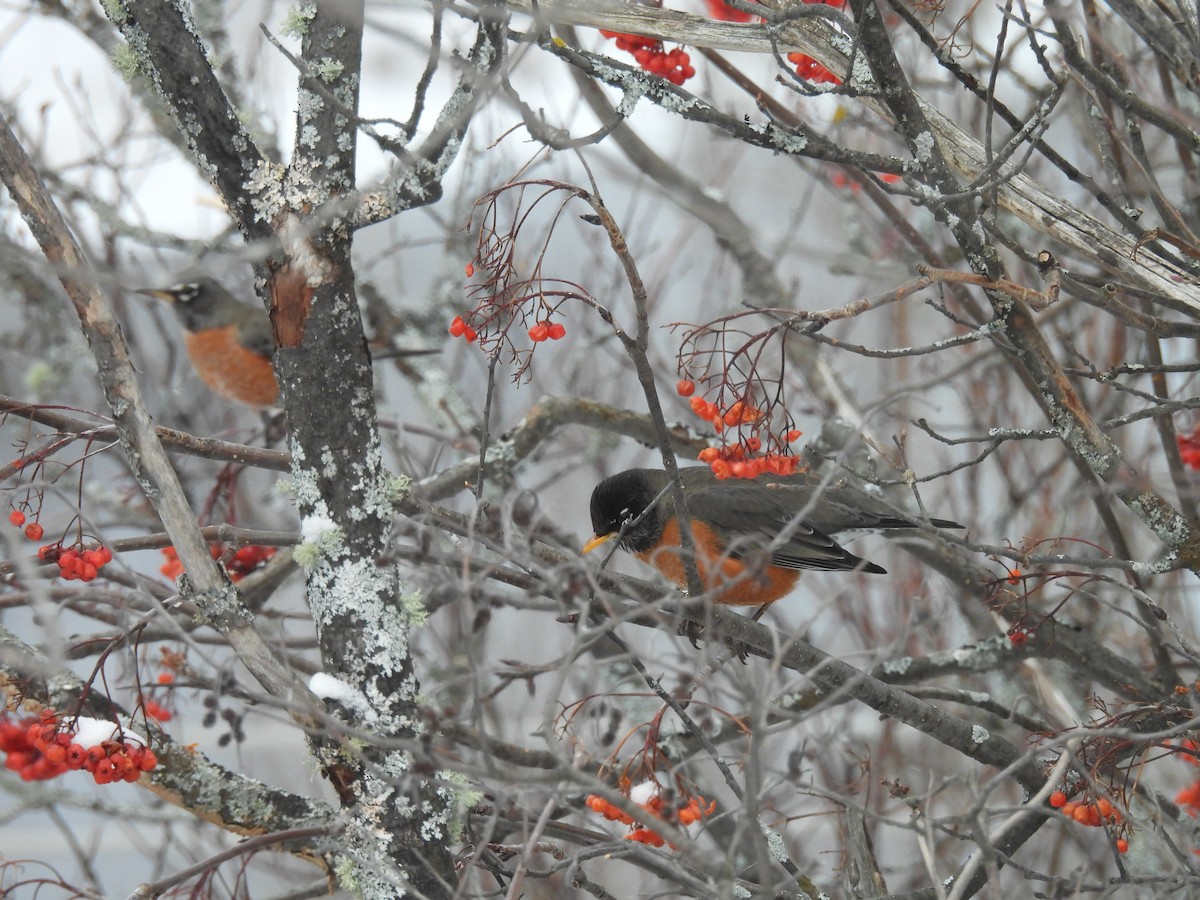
{"points": [[398, 487], [413, 607], [321, 537], [264, 187], [309, 105], [41, 378], [295, 22], [460, 797], [343, 870], [328, 69], [115, 10], [378, 498], [126, 62]]}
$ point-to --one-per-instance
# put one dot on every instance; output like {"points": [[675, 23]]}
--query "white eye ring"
{"points": [[185, 293]]}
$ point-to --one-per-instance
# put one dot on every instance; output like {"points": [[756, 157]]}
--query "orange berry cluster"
{"points": [[734, 460], [1189, 798], [807, 67], [156, 710], [459, 328], [33, 531], [75, 563], [1018, 636], [247, 559], [545, 330], [730, 462], [1189, 448], [1092, 814], [811, 70], [244, 561], [694, 811], [840, 179], [675, 66], [719, 9], [740, 413], [39, 748]]}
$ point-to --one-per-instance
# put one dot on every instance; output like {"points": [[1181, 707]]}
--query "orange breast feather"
{"points": [[728, 580], [230, 369]]}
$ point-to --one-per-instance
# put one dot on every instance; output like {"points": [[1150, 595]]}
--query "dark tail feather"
{"points": [[946, 523], [885, 522]]}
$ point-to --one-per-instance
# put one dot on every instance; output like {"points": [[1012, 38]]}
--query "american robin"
{"points": [[230, 343], [735, 524]]}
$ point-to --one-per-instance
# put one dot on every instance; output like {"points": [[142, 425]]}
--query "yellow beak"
{"points": [[598, 540], [157, 295]]}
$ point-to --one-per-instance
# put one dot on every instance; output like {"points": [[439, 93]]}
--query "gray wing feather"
{"points": [[254, 333]]}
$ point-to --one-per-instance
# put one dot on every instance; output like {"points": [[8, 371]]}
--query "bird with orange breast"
{"points": [[753, 537], [230, 343]]}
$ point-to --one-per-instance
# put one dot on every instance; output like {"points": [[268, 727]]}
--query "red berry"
{"points": [[470, 335], [1122, 845], [539, 333], [148, 760], [1058, 799], [76, 756], [105, 555], [458, 327], [158, 711], [685, 388], [17, 518], [34, 531], [470, 269], [18, 759], [123, 766], [557, 331]]}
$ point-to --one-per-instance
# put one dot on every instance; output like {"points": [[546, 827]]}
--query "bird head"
{"points": [[200, 304], [617, 502]]}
